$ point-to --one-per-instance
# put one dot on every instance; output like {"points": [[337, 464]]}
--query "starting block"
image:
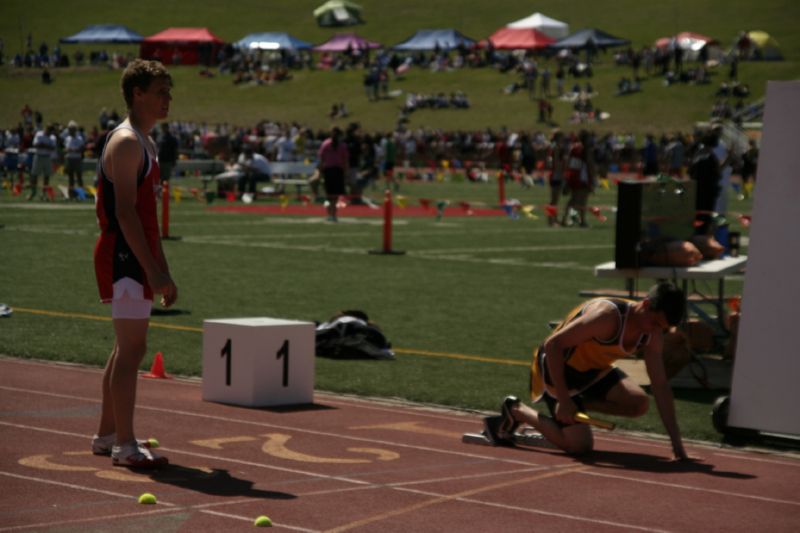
{"points": [[528, 437]]}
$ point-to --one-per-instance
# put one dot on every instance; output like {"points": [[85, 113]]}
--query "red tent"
{"points": [[519, 38], [184, 46]]}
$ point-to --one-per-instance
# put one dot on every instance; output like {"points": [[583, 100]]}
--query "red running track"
{"points": [[351, 464]]}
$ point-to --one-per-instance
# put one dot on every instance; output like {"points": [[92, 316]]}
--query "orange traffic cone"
{"points": [[157, 370]]}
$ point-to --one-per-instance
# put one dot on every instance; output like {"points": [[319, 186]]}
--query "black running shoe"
{"points": [[491, 428], [508, 426]]}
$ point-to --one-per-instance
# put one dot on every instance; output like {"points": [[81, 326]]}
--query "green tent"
{"points": [[338, 13]]}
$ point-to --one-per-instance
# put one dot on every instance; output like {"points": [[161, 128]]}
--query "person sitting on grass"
{"points": [[573, 370]]}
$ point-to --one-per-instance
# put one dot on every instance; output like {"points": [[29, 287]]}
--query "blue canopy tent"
{"points": [[103, 33], [271, 41], [589, 39], [445, 39]]}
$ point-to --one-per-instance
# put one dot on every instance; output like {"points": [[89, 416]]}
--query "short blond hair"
{"points": [[140, 73]]}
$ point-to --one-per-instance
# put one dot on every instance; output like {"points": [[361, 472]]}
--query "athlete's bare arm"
{"points": [[662, 392]]}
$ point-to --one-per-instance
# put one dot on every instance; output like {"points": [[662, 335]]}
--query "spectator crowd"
{"points": [[572, 164]]}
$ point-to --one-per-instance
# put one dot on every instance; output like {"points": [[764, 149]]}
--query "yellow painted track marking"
{"points": [[217, 444], [276, 447], [382, 455], [463, 357], [413, 427], [43, 462], [123, 475]]}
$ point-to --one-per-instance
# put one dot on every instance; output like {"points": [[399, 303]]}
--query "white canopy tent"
{"points": [[549, 26]]}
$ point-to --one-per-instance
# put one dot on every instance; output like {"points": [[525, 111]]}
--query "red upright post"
{"points": [[387, 221], [501, 186], [387, 227]]}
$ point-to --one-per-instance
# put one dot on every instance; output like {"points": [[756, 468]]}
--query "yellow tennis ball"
{"points": [[263, 521], [153, 442], [147, 499]]}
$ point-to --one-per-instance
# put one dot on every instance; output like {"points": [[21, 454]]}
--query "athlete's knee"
{"points": [[132, 350]]}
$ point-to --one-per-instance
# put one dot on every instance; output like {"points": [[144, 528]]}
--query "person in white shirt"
{"points": [[255, 167], [73, 157], [44, 145], [285, 146]]}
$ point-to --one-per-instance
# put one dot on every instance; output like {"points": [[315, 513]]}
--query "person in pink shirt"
{"points": [[333, 165]]}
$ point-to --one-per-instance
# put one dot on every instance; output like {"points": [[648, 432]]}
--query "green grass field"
{"points": [[464, 307], [308, 97]]}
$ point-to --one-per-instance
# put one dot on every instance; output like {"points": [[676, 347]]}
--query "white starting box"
{"points": [[258, 362]]}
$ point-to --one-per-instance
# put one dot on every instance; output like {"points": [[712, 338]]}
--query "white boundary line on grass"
{"points": [[443, 255], [496, 249]]}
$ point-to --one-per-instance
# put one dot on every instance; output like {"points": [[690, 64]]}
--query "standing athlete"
{"points": [[573, 370], [129, 261]]}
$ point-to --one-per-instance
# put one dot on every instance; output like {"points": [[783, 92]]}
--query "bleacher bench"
{"points": [[188, 166], [283, 174]]}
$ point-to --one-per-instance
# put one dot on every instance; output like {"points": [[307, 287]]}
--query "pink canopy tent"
{"points": [[342, 41], [692, 44], [189, 46], [519, 38], [687, 40]]}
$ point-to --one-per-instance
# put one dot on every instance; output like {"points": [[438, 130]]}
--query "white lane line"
{"points": [[374, 404], [108, 518], [468, 476], [690, 487], [171, 507], [388, 405], [291, 429], [204, 456], [77, 487], [543, 512], [741, 457], [250, 520], [369, 485]]}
